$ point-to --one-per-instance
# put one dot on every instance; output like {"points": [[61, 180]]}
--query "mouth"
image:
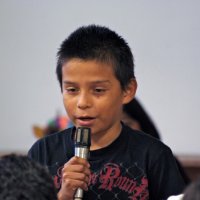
{"points": [[85, 121]]}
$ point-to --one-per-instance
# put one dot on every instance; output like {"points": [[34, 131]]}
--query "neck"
{"points": [[105, 137]]}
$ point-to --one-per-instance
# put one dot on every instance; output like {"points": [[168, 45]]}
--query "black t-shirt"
{"points": [[134, 166]]}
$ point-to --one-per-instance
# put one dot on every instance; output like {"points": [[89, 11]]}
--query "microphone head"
{"points": [[83, 137]]}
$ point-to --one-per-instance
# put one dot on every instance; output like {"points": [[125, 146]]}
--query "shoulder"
{"points": [[53, 138], [51, 145], [144, 142]]}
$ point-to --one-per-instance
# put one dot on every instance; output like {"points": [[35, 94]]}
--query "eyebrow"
{"points": [[94, 82]]}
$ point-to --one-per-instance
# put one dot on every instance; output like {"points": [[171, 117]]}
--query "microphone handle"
{"points": [[82, 152]]}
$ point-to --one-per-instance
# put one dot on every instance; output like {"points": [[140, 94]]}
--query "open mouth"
{"points": [[85, 121]]}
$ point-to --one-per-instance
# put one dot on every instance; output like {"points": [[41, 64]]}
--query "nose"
{"points": [[84, 100]]}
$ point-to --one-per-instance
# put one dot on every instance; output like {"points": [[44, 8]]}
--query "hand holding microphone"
{"points": [[76, 172]]}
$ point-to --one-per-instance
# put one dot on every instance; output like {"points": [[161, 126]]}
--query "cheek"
{"points": [[69, 106], [111, 108]]}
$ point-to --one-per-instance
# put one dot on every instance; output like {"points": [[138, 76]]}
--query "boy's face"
{"points": [[93, 96]]}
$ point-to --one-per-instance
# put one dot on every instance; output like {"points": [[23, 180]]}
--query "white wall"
{"points": [[164, 37]]}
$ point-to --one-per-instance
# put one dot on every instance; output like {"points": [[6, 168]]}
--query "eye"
{"points": [[71, 90], [99, 90]]}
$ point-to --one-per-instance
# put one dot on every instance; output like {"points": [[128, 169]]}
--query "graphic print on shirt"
{"points": [[116, 181], [58, 178], [119, 181]]}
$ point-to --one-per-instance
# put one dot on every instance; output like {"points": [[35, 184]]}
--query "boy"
{"points": [[95, 70]]}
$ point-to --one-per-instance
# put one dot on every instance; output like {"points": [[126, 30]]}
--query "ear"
{"points": [[130, 91]]}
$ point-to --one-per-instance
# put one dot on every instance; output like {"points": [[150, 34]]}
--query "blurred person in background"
{"points": [[135, 116], [192, 192]]}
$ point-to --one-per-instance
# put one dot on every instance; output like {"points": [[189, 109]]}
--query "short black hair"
{"points": [[24, 179], [98, 43]]}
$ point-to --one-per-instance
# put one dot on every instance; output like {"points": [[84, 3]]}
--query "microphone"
{"points": [[82, 147]]}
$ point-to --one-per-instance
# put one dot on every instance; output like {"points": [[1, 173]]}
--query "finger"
{"points": [[77, 160], [72, 184], [76, 176], [76, 165], [76, 168], [69, 187]]}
